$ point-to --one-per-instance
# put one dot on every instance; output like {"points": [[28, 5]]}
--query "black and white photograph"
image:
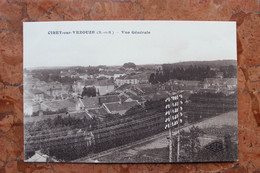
{"points": [[130, 91]]}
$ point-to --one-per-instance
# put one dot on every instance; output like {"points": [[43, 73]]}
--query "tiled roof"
{"points": [[70, 104], [103, 82], [128, 77], [131, 77], [96, 102], [123, 97], [29, 102], [36, 91], [208, 90], [90, 102], [132, 96], [38, 158], [142, 76], [27, 95], [108, 99], [98, 111], [231, 81], [148, 89], [160, 95], [147, 97], [53, 88], [123, 87], [80, 115], [186, 82], [120, 108], [137, 90]]}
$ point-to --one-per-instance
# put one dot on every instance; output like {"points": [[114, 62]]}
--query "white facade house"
{"points": [[126, 80]]}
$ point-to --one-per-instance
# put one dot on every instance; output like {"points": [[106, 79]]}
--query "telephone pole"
{"points": [[173, 117], [178, 133], [168, 119]]}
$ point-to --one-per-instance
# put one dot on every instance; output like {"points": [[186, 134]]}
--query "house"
{"points": [[211, 82], [142, 77], [64, 74], [131, 96], [74, 75], [122, 88], [160, 95], [231, 83], [104, 86], [40, 157], [137, 90], [219, 75], [130, 79], [84, 76], [228, 92], [81, 115], [119, 108], [186, 83], [98, 113], [79, 85], [106, 75], [38, 95], [159, 68], [108, 99], [147, 88], [30, 107], [208, 90], [55, 92], [124, 97], [30, 82], [27, 95], [117, 75], [89, 103], [56, 105]]}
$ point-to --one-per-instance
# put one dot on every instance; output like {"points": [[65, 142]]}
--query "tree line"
{"points": [[193, 73]]}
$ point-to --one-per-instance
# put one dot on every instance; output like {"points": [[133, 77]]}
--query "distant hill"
{"points": [[214, 64]]}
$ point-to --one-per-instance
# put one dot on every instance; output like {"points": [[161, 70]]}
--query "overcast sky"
{"points": [[168, 42]]}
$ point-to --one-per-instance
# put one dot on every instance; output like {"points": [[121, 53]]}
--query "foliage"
{"points": [[49, 112], [80, 70], [229, 71], [62, 120], [92, 70], [157, 105], [52, 76], [134, 110], [189, 144], [129, 65], [190, 73], [205, 105], [89, 92]]}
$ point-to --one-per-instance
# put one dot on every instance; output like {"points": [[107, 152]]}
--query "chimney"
{"points": [[99, 101], [40, 109], [50, 91], [120, 100]]}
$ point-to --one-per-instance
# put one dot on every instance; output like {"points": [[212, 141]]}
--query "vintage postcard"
{"points": [[130, 92]]}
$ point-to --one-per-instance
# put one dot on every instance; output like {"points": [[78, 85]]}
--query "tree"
{"points": [[92, 70], [89, 91], [129, 65], [189, 144], [134, 110], [152, 79]]}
